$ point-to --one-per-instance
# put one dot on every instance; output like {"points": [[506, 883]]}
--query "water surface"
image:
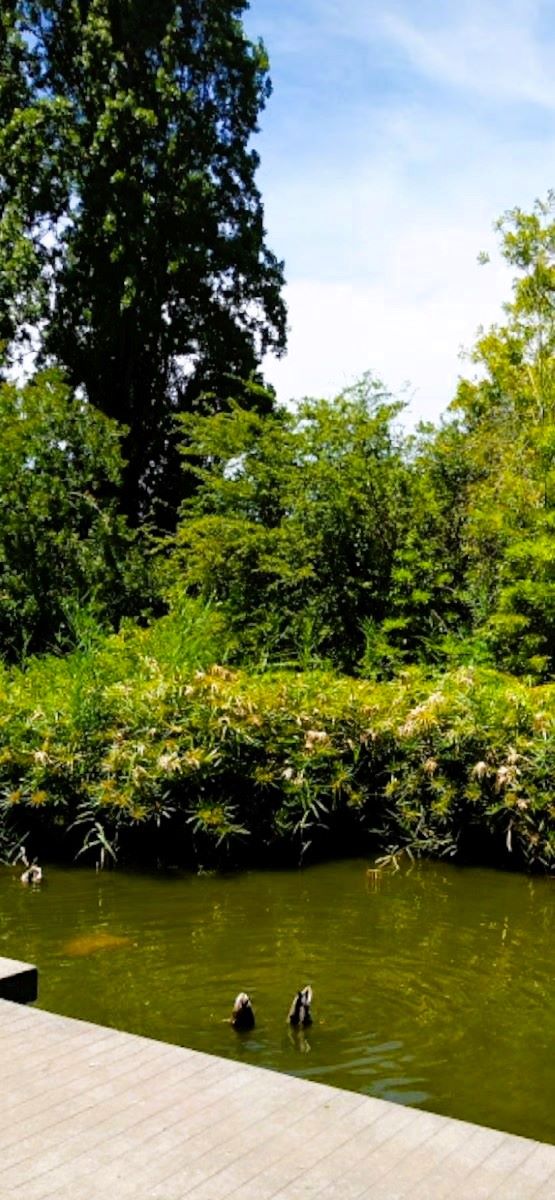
{"points": [[432, 988]]}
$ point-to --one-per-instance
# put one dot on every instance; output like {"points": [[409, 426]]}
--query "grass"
{"points": [[145, 745]]}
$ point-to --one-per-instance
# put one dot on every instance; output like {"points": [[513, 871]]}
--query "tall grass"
{"points": [[137, 745]]}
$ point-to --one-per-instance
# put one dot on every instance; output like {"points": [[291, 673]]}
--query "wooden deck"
{"points": [[19, 981], [89, 1113]]}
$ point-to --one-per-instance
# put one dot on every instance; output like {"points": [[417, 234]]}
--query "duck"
{"points": [[299, 1013], [33, 874], [242, 1017]]}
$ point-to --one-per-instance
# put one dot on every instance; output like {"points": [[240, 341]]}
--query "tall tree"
{"points": [[295, 521], [429, 616], [131, 226], [507, 418]]}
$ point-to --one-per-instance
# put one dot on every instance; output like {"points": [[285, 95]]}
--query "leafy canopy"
{"points": [[131, 227], [507, 421], [63, 545], [295, 520]]}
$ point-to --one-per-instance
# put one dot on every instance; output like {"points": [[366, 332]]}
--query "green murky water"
{"points": [[432, 988]]}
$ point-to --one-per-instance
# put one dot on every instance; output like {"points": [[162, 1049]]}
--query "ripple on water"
{"points": [[433, 988]]}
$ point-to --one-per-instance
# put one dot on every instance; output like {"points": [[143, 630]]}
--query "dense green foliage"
{"points": [[295, 521], [327, 535], [135, 743], [508, 422], [66, 553], [358, 633], [131, 226]]}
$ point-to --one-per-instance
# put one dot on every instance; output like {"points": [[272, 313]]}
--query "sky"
{"points": [[395, 136]]}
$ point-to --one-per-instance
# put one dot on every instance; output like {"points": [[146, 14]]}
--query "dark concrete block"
{"points": [[19, 981]]}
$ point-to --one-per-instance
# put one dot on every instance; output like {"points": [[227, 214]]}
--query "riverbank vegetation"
{"points": [[233, 631], [137, 745]]}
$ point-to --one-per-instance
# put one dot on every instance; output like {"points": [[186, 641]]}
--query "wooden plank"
{"points": [[92, 1112]]}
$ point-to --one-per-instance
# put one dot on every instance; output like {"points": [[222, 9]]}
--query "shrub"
{"points": [[141, 747]]}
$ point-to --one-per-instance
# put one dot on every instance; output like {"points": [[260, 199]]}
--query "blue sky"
{"points": [[396, 134]]}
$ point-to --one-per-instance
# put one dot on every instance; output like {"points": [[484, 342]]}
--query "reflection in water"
{"points": [[374, 878], [431, 987], [298, 1039]]}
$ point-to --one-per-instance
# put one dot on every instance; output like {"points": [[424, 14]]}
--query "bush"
{"points": [[64, 546], [141, 747], [294, 522]]}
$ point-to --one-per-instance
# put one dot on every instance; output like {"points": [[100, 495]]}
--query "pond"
{"points": [[432, 987]]}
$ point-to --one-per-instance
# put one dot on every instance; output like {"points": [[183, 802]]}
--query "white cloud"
{"points": [[341, 329], [386, 273], [381, 212], [490, 48]]}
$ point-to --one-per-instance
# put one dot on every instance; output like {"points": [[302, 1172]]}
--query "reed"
{"points": [[139, 744]]}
